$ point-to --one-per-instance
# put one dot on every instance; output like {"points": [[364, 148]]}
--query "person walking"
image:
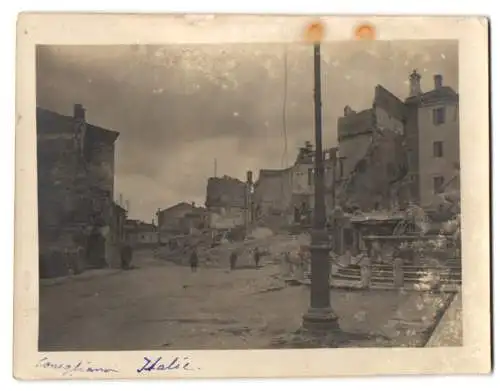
{"points": [[126, 256], [193, 261], [256, 257], [232, 260]]}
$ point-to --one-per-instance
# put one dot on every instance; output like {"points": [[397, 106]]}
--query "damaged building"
{"points": [[288, 194], [372, 154], [398, 152], [80, 226], [229, 201]]}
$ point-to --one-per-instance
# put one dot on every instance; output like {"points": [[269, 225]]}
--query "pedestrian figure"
{"points": [[232, 259], [288, 262], [256, 257], [193, 260], [126, 256]]}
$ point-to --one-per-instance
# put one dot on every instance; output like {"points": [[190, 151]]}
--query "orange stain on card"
{"points": [[365, 31], [315, 32]]}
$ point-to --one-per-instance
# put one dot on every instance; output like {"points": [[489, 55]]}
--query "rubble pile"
{"points": [[271, 246]]}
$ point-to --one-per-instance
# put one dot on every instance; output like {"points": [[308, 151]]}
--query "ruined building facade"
{"points": [[80, 226], [289, 193], [398, 152], [228, 202], [372, 154]]}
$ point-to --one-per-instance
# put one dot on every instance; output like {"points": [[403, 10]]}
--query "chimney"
{"points": [[249, 177], [438, 81], [78, 112], [415, 83]]}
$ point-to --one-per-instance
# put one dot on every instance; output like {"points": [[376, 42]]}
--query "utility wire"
{"points": [[284, 160]]}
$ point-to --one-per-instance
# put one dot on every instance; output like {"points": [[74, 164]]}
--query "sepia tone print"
{"points": [[249, 196]]}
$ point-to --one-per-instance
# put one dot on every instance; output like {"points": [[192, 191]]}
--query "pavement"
{"points": [[160, 305], [449, 330]]}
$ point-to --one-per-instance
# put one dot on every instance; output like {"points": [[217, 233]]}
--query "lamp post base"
{"points": [[320, 319]]}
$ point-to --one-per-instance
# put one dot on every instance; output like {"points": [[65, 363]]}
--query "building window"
{"points": [[438, 184], [438, 149], [310, 176], [438, 116]]}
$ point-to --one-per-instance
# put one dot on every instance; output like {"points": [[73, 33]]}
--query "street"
{"points": [[160, 305]]}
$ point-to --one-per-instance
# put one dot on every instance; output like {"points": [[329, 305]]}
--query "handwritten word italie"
{"points": [[68, 369], [152, 364]]}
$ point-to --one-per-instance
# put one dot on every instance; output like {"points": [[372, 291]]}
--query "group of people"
{"points": [[233, 259], [127, 254]]}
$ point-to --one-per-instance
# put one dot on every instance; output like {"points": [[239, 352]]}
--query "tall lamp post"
{"points": [[320, 315]]}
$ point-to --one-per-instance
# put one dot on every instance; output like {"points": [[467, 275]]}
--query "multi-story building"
{"points": [[433, 137], [79, 224]]}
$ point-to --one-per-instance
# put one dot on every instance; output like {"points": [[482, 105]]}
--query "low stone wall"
{"points": [[61, 262]]}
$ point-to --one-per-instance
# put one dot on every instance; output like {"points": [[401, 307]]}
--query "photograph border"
{"points": [[474, 356]]}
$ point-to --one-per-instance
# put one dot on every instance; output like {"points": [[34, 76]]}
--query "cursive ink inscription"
{"points": [[157, 364], [69, 369]]}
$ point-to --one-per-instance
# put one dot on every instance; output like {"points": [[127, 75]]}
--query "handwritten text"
{"points": [[68, 369], [158, 364]]}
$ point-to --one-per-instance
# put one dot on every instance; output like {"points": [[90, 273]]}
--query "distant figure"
{"points": [[232, 259], [256, 257], [288, 264], [193, 261], [126, 256]]}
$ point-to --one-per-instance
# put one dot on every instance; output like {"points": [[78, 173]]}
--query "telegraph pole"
{"points": [[158, 229], [320, 315], [334, 178]]}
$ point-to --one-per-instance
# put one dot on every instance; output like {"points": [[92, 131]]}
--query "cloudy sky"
{"points": [[179, 108]]}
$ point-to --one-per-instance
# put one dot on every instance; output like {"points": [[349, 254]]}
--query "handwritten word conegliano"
{"points": [[69, 369], [152, 364]]}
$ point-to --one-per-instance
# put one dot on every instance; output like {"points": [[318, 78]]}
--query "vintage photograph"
{"points": [[248, 196]]}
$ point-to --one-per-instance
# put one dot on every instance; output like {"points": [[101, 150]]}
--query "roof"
{"points": [[50, 122], [182, 205], [434, 96], [118, 206]]}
